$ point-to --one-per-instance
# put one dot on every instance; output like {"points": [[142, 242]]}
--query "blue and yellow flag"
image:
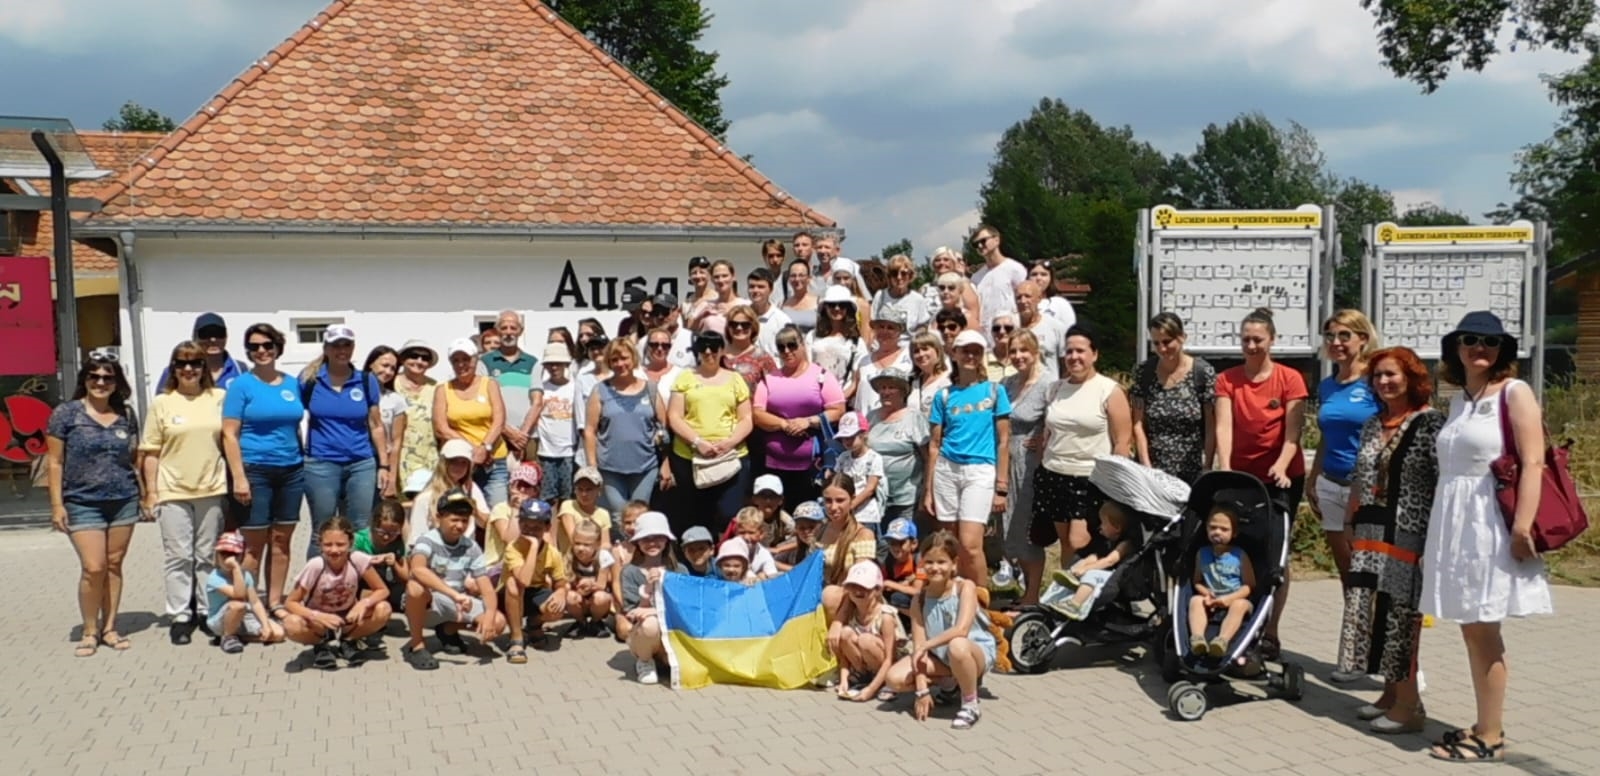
{"points": [[770, 634]]}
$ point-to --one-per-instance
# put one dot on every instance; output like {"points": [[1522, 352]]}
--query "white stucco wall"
{"points": [[392, 290]]}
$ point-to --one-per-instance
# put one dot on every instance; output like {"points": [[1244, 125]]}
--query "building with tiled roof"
{"points": [[410, 167]]}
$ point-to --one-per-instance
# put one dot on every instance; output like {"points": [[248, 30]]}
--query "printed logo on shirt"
{"points": [[356, 394], [177, 420], [1359, 394], [122, 434], [494, 373], [483, 399], [287, 395]]}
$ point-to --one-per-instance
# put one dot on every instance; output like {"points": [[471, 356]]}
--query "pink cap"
{"points": [[232, 541], [734, 548], [865, 574], [528, 473]]}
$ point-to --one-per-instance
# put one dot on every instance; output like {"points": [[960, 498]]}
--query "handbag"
{"points": [[711, 472], [1560, 516]]}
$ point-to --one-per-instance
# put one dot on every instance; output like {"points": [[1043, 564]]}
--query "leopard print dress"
{"points": [[1395, 480]]}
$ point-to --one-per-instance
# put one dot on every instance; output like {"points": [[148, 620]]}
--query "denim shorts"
{"points": [[276, 493], [100, 515]]}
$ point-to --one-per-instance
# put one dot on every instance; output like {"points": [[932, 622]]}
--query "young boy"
{"points": [[584, 505], [232, 600], [535, 579], [864, 467], [450, 587], [1090, 573], [698, 547], [385, 543], [777, 529], [622, 532], [807, 519], [750, 526], [905, 578]]}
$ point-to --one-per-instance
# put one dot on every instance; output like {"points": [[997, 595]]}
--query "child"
{"points": [[550, 425], [750, 525], [503, 520], [864, 467], [232, 600], [807, 519], [535, 578], [584, 505], [1091, 572], [622, 534], [698, 551], [733, 562], [1223, 579], [652, 557], [950, 636], [449, 587], [384, 543], [905, 579], [591, 571], [777, 530], [454, 470], [326, 610], [863, 637]]}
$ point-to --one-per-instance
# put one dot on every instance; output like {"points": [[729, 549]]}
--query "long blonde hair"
{"points": [[440, 482]]}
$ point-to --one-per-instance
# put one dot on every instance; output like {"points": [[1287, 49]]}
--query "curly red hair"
{"points": [[1419, 384]]}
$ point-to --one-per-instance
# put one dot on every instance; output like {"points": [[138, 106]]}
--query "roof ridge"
{"points": [[677, 116], [148, 160]]}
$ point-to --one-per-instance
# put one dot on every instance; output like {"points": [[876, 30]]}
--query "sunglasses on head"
{"points": [[103, 355], [1486, 340], [189, 363], [254, 346]]}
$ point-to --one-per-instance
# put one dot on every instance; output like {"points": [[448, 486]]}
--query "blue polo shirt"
{"points": [[336, 430], [1343, 408], [269, 419], [231, 370], [968, 416]]}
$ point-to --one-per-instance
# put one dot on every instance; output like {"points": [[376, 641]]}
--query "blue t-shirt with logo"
{"points": [[968, 416], [336, 430], [269, 419], [1344, 409]]}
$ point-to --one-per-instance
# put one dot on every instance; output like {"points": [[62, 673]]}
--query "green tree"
{"points": [[901, 246], [1429, 214], [137, 118], [1421, 40], [1356, 204], [656, 40], [1250, 163]]}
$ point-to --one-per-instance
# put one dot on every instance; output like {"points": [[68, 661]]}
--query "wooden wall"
{"points": [[1588, 358]]}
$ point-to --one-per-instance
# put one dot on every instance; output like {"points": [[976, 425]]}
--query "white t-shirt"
{"points": [[997, 288], [1059, 308], [679, 355], [837, 354], [764, 565], [1052, 336], [556, 427], [392, 405], [870, 464], [771, 323], [913, 304]]}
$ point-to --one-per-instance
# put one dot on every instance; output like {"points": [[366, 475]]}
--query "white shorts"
{"points": [[963, 491], [442, 609], [1334, 501]]}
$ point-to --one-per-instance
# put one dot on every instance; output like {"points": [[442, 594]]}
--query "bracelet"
{"points": [[923, 693]]}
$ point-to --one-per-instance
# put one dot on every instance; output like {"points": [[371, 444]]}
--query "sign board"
{"points": [[1213, 267], [27, 317]]}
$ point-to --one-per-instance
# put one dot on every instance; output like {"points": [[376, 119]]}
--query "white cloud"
{"points": [[1405, 199], [1346, 143], [163, 29], [930, 216]]}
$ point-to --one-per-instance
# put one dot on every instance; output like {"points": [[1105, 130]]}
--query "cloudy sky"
{"points": [[884, 113]]}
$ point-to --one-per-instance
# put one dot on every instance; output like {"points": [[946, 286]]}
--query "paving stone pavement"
{"points": [[193, 710]]}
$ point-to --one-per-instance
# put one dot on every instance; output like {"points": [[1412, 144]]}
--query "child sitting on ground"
{"points": [[950, 638], [384, 542], [536, 579], [503, 521], [1091, 572], [231, 598], [590, 571], [584, 505], [777, 527], [699, 553], [326, 609], [750, 525], [449, 588], [622, 532], [1223, 579], [863, 637], [864, 467], [905, 578], [652, 557], [733, 562], [807, 519]]}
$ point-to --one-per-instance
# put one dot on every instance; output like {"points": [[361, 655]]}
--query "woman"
{"points": [[1345, 401], [1475, 571], [899, 295], [948, 260], [900, 435], [624, 430], [1260, 416], [930, 371], [848, 280], [1027, 391], [709, 414], [721, 297], [1393, 481], [590, 330], [949, 324], [469, 408], [261, 416], [836, 343], [1087, 416], [956, 295], [800, 305], [383, 363], [970, 435], [347, 453], [791, 404], [1053, 304], [888, 352], [1174, 398], [744, 355], [95, 491], [182, 460], [413, 430]]}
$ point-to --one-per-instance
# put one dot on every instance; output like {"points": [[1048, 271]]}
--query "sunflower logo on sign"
{"points": [[1164, 216], [1386, 233]]}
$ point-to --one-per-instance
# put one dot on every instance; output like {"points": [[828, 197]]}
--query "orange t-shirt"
{"points": [[1259, 412]]}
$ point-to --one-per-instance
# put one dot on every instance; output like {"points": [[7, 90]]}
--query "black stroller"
{"points": [[1132, 606], [1263, 535]]}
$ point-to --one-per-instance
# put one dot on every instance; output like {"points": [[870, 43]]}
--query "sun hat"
{"points": [[433, 355], [338, 333], [455, 448], [733, 548], [587, 474], [557, 353], [418, 480], [901, 529], [651, 524], [464, 345], [1483, 324], [768, 483], [533, 509], [808, 510], [968, 338], [890, 314], [528, 473], [838, 295], [865, 574], [850, 424], [696, 534], [456, 501], [894, 375], [232, 541]]}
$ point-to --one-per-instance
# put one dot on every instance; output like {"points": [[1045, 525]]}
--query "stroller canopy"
{"points": [[1140, 487]]}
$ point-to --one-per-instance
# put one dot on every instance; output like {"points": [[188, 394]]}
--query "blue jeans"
{"points": [[339, 488], [621, 488], [275, 494], [494, 481]]}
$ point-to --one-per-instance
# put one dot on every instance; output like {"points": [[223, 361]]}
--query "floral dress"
{"points": [[1174, 418], [1395, 480], [419, 451]]}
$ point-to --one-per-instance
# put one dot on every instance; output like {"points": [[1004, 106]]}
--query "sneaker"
{"points": [[232, 645], [1217, 648], [578, 631], [1074, 610], [182, 631], [645, 671], [1422, 682], [1198, 646], [322, 657], [1065, 577], [352, 653], [1346, 677], [599, 630]]}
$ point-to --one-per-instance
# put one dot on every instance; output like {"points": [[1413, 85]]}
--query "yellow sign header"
{"points": [[1168, 217], [1517, 232]]}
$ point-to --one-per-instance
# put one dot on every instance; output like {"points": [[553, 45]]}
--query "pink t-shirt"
{"points": [[802, 396], [330, 592]]}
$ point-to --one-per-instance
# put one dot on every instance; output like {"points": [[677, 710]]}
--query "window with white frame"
{"points": [[308, 331]]}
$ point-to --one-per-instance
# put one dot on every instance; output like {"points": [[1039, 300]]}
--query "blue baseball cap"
{"points": [[534, 509], [901, 529]]}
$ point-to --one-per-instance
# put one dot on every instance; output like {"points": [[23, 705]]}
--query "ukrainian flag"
{"points": [[771, 634]]}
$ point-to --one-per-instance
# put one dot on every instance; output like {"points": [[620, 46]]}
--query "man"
{"points": [[664, 313], [514, 369], [802, 242], [759, 285], [999, 277], [211, 334], [1051, 332], [636, 302], [829, 261]]}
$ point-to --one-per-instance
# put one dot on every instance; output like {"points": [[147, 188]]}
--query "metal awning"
{"points": [[20, 158]]}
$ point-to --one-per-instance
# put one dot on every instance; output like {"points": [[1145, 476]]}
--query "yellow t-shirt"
{"points": [[569, 508], [186, 432], [552, 566], [711, 410], [494, 547]]}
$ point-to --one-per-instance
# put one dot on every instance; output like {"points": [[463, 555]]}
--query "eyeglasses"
{"points": [[659, 345], [105, 355], [660, 313], [1344, 335], [414, 355], [189, 363], [738, 325], [101, 379], [1486, 340], [1002, 329], [788, 347], [255, 346]]}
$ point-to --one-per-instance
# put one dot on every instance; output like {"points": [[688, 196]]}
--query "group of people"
{"points": [[758, 429]]}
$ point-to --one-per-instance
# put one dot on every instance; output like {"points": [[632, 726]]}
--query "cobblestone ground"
{"points": [[193, 710]]}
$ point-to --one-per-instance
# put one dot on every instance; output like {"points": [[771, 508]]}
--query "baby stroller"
{"points": [[1131, 607], [1263, 535]]}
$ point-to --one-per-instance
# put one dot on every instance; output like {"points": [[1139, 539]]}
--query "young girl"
{"points": [[843, 541], [733, 562], [1091, 572], [863, 637], [622, 535], [326, 610], [535, 579], [584, 505], [454, 470], [950, 637], [235, 608], [750, 525], [504, 519], [550, 427], [590, 581], [652, 557], [863, 466], [1223, 580], [385, 543]]}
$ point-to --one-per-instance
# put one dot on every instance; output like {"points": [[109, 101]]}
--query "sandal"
{"points": [[1471, 750], [516, 654], [322, 657], [116, 641], [89, 645], [966, 717], [1457, 736], [420, 658]]}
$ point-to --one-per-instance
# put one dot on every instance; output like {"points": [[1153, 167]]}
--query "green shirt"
{"points": [[498, 364], [364, 544]]}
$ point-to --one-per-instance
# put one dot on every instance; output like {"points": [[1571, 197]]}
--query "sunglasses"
{"points": [[738, 325], [1341, 336], [209, 334], [255, 346], [662, 313], [414, 355], [1486, 340], [100, 379], [981, 241], [901, 273], [1002, 329], [946, 287], [950, 327], [189, 363], [660, 345], [788, 347]]}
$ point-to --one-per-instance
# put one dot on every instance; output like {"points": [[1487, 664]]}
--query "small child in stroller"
{"points": [[1090, 573], [1223, 579]]}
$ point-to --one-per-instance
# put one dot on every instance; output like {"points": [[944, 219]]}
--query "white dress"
{"points": [[1468, 574]]}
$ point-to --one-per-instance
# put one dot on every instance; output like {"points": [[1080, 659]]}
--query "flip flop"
{"points": [[89, 645], [116, 641]]}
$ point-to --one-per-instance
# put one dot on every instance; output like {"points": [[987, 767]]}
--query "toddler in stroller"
{"points": [[1090, 573]]}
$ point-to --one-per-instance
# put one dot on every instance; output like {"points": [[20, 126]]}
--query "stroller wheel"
{"points": [[1032, 643], [1188, 701], [1294, 681]]}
